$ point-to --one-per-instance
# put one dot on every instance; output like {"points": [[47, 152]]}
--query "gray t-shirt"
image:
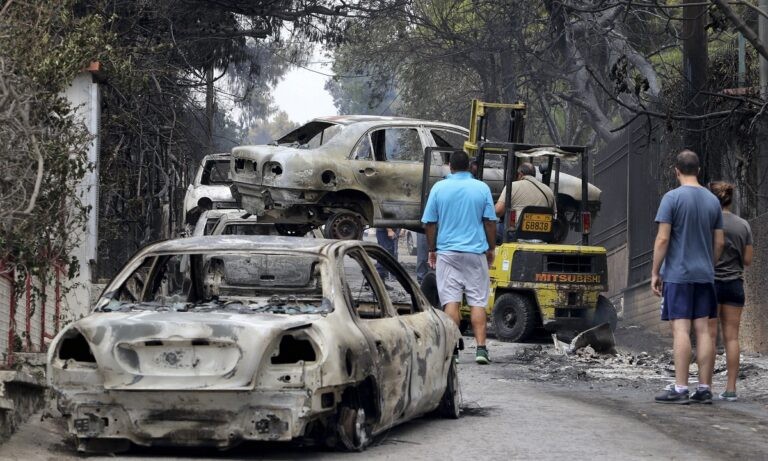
{"points": [[694, 213], [738, 235]]}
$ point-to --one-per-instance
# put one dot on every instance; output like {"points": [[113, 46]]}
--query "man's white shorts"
{"points": [[463, 273]]}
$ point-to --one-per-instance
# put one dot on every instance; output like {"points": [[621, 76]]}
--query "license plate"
{"points": [[537, 223]]}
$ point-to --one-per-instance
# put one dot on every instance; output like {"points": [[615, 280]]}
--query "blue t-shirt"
{"points": [[459, 204], [694, 213]]}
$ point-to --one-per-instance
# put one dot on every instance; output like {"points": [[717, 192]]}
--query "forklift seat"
{"points": [[536, 223]]}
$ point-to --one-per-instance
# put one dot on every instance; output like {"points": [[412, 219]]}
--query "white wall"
{"points": [[84, 95]]}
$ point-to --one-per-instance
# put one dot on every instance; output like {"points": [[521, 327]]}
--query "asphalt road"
{"points": [[505, 416]]}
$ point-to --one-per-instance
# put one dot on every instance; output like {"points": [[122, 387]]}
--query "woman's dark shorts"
{"points": [[688, 301], [730, 292]]}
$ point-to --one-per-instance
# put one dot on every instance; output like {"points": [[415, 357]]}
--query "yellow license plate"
{"points": [[537, 223]]}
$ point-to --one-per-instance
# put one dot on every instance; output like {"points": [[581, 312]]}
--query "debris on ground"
{"points": [[627, 367], [599, 338]]}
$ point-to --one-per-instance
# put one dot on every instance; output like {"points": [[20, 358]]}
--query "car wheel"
{"points": [[514, 317], [293, 230], [344, 226], [605, 312], [450, 404], [429, 288], [409, 244], [354, 432]]}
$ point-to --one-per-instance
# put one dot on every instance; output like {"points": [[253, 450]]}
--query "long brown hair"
{"points": [[723, 191]]}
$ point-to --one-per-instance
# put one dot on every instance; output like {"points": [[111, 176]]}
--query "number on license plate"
{"points": [[537, 223]]}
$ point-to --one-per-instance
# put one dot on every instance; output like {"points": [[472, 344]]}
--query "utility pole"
{"points": [[695, 77]]}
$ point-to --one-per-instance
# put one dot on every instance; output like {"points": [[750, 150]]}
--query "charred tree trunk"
{"points": [[695, 76]]}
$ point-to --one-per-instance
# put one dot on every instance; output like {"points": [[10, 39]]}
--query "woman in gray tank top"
{"points": [[729, 283]]}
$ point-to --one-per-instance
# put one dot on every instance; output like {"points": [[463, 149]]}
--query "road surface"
{"points": [[509, 413]]}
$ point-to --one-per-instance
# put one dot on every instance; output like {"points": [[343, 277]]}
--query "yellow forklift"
{"points": [[534, 282]]}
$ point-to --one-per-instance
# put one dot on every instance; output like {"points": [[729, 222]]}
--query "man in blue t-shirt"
{"points": [[689, 243], [460, 224]]}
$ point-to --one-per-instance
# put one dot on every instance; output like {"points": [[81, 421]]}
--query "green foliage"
{"points": [[41, 69]]}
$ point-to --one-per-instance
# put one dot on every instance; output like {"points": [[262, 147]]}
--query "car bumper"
{"points": [[258, 199], [206, 418]]}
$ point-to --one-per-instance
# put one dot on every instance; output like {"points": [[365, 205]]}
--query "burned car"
{"points": [[348, 172], [210, 186], [261, 339]]}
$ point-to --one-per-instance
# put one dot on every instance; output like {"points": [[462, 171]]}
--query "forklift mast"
{"points": [[477, 146]]}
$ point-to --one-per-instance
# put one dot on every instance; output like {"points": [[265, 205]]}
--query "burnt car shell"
{"points": [[305, 182], [216, 377]]}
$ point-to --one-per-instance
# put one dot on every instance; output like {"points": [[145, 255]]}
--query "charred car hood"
{"points": [[183, 350]]}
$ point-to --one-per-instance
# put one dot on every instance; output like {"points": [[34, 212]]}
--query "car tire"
{"points": [[409, 244], [514, 317], [605, 312], [450, 403], [353, 430], [429, 288], [344, 226]]}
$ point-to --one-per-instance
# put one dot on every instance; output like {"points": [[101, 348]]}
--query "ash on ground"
{"points": [[643, 361]]}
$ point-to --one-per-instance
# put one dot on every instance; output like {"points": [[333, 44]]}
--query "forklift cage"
{"points": [[476, 146]]}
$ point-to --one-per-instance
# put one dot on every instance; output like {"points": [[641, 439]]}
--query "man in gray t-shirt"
{"points": [[688, 243]]}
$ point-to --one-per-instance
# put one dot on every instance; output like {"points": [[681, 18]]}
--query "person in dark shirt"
{"points": [[688, 243], [729, 283]]}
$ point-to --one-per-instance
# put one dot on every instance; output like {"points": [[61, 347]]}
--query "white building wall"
{"points": [[84, 95]]}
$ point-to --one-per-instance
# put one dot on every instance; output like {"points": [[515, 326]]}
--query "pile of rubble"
{"points": [[625, 368]]}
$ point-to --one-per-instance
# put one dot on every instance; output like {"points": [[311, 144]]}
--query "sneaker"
{"points": [[481, 356], [701, 396], [730, 396], [670, 395]]}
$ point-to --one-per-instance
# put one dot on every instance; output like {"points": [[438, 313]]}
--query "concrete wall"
{"points": [[754, 320], [642, 308]]}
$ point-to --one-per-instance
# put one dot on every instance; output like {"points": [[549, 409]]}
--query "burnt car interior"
{"points": [[364, 293], [390, 145], [254, 282], [312, 135], [215, 172], [249, 229]]}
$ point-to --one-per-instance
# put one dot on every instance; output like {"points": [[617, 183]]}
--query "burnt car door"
{"points": [[388, 163], [389, 343], [428, 352]]}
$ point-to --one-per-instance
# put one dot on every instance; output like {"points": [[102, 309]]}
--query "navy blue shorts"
{"points": [[730, 292], [688, 301]]}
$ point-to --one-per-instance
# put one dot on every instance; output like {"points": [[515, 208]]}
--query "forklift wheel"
{"points": [[605, 312], [513, 317]]}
